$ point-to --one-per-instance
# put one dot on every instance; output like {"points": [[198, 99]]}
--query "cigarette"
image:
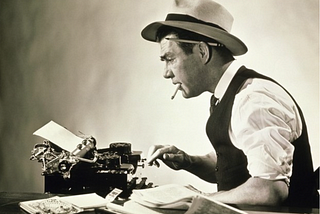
{"points": [[176, 91]]}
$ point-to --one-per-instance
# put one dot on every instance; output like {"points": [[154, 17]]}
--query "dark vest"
{"points": [[231, 168]]}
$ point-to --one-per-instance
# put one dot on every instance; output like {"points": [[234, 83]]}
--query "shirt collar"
{"points": [[225, 80]]}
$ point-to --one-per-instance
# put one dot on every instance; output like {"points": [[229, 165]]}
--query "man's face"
{"points": [[182, 68]]}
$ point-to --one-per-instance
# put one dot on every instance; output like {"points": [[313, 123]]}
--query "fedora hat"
{"points": [[204, 17]]}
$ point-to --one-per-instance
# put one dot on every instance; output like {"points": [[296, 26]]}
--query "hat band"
{"points": [[187, 18]]}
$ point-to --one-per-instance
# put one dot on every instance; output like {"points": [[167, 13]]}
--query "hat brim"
{"points": [[234, 44]]}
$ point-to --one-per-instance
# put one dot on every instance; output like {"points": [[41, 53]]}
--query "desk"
{"points": [[275, 210], [9, 204]]}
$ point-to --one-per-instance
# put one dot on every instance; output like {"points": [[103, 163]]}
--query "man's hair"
{"points": [[222, 51]]}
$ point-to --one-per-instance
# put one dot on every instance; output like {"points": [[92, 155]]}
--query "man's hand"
{"points": [[202, 166], [172, 156]]}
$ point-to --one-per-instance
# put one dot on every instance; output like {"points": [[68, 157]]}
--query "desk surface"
{"points": [[9, 203]]}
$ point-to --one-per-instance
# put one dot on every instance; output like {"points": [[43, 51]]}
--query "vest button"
{"points": [[216, 169]]}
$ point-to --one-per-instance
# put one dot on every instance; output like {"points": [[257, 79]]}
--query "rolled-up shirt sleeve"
{"points": [[264, 122]]}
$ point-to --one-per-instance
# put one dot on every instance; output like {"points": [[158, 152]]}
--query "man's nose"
{"points": [[168, 73]]}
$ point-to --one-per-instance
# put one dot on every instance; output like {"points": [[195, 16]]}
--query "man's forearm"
{"points": [[255, 191], [203, 167]]}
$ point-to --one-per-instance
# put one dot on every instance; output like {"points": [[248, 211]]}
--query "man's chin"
{"points": [[189, 95]]}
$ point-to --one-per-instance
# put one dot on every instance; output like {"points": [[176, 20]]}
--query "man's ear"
{"points": [[204, 52]]}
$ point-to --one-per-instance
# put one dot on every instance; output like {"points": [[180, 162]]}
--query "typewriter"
{"points": [[88, 169]]}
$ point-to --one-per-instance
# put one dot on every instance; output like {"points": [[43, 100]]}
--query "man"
{"points": [[261, 151]]}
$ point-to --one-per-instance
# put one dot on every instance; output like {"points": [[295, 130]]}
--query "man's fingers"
{"points": [[158, 151], [154, 156], [173, 157], [154, 153], [156, 163], [152, 149]]}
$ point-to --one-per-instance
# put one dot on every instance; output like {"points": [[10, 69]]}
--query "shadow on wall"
{"points": [[68, 62], [84, 65]]}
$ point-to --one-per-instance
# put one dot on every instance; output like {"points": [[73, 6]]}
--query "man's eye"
{"points": [[167, 59]]}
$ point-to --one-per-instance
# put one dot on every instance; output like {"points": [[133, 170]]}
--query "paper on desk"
{"points": [[131, 207], [59, 136], [92, 200], [86, 201]]}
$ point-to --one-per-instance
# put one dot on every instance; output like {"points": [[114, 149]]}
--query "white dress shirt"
{"points": [[263, 123]]}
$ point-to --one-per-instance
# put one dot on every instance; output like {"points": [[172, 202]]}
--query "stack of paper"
{"points": [[179, 197], [171, 196], [86, 201]]}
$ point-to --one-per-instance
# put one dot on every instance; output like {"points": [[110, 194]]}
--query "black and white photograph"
{"points": [[216, 99]]}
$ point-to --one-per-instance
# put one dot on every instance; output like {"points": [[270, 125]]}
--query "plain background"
{"points": [[84, 65]]}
